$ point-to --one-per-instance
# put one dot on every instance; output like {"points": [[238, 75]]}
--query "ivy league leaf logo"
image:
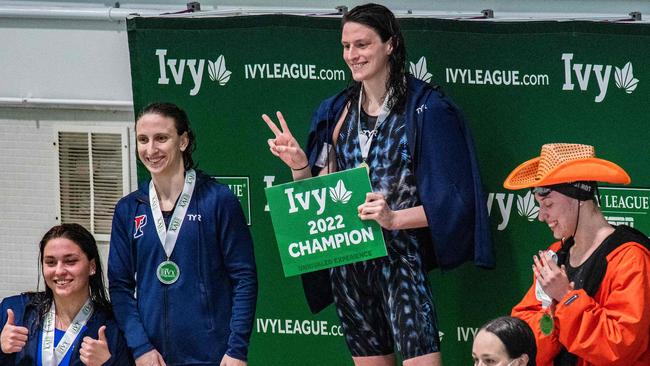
{"points": [[339, 193], [217, 71], [625, 78], [526, 206], [419, 70]]}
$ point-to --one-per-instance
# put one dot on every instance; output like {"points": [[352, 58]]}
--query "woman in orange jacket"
{"points": [[589, 301]]}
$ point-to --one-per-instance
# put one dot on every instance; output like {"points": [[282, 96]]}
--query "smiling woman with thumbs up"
{"points": [[71, 322]]}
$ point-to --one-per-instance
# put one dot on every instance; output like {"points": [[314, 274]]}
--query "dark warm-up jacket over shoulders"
{"points": [[447, 178]]}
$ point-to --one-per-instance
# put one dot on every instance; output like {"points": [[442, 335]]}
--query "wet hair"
{"points": [[85, 240], [383, 21], [516, 336], [182, 124]]}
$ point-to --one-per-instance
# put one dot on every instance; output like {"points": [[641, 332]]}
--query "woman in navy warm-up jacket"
{"points": [[190, 301], [74, 304]]}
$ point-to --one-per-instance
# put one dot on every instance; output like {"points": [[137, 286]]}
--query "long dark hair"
{"points": [[85, 240], [516, 336], [383, 21], [182, 124]]}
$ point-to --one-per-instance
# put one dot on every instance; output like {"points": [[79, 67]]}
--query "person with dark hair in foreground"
{"points": [[191, 303], [504, 341], [427, 193], [71, 322], [588, 305]]}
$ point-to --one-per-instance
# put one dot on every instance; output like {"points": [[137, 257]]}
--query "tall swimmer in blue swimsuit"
{"points": [[426, 194]]}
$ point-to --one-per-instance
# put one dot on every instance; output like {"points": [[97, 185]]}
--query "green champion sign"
{"points": [[317, 225]]}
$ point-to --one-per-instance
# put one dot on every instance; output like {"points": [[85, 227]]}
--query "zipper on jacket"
{"points": [[165, 327]]}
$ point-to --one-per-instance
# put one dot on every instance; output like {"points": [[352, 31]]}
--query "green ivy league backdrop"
{"points": [[509, 123]]}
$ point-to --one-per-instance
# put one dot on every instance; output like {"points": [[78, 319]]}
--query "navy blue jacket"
{"points": [[447, 178], [209, 310], [26, 315]]}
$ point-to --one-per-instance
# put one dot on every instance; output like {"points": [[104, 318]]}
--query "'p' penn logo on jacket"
{"points": [[140, 222]]}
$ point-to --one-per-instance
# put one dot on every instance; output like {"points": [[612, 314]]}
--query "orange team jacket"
{"points": [[612, 328]]}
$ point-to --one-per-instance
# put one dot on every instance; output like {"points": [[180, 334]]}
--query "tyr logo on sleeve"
{"points": [[140, 222]]}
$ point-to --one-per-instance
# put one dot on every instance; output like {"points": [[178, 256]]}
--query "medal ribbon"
{"points": [[169, 236], [365, 141], [51, 356]]}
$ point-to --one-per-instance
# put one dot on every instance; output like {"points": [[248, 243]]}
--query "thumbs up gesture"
{"points": [[13, 338], [94, 352]]}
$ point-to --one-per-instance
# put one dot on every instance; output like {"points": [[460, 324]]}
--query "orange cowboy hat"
{"points": [[565, 163]]}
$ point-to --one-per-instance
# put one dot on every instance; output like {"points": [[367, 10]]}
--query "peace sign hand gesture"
{"points": [[284, 145]]}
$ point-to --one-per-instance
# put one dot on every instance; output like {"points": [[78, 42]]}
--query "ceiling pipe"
{"points": [[82, 104], [111, 13]]}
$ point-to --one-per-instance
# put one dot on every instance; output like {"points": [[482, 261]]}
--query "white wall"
{"points": [[64, 59], [28, 201], [59, 64], [29, 185]]}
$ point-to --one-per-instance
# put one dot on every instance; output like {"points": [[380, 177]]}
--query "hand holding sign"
{"points": [[95, 352], [317, 224], [284, 145], [13, 338], [376, 208]]}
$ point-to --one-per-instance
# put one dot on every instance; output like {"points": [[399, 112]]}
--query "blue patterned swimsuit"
{"points": [[385, 302]]}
